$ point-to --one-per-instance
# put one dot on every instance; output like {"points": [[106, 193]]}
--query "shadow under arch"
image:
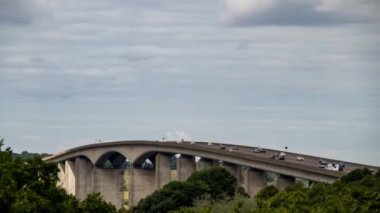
{"points": [[112, 160], [147, 160]]}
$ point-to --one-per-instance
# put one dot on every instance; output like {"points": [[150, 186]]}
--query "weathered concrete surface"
{"points": [[234, 169], [254, 181], [141, 184], [284, 181], [162, 173], [70, 180], [205, 163], [84, 177], [185, 167], [61, 175], [109, 183]]}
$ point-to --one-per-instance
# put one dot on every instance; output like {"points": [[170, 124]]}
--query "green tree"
{"points": [[28, 184], [94, 203], [221, 184], [172, 196]]}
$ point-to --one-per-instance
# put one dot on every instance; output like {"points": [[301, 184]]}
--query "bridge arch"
{"points": [[112, 160]]}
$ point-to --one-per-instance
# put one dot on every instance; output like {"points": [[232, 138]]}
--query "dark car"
{"points": [[322, 162]]}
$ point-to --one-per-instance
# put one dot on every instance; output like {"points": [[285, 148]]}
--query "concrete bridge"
{"points": [[100, 167]]}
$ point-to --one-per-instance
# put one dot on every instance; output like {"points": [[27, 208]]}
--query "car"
{"points": [[279, 156], [209, 143], [222, 147], [259, 150], [332, 167], [322, 162], [300, 158], [341, 166]]}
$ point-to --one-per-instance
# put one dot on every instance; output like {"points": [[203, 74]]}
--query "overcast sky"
{"points": [[272, 73]]}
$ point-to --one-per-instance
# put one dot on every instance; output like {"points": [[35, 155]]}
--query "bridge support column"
{"points": [[185, 167], [234, 169], [108, 183], [204, 163], [162, 173], [70, 179], [84, 177], [311, 183], [284, 181], [141, 184], [254, 181], [61, 175]]}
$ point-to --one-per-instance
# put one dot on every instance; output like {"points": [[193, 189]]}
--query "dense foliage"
{"points": [[359, 191], [212, 184], [28, 184]]}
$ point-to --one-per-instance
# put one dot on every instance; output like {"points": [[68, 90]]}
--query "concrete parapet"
{"points": [[283, 181], [254, 181], [185, 167]]}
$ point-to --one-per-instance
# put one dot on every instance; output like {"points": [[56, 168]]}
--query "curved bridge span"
{"points": [[100, 167]]}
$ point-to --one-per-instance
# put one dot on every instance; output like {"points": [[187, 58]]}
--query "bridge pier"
{"points": [[234, 169], [254, 181], [108, 183], [70, 180], [61, 175], [162, 170], [284, 181], [205, 163], [84, 177], [141, 184], [185, 167]]}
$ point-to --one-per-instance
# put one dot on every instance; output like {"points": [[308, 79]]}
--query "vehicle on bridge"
{"points": [[280, 156], [259, 150]]}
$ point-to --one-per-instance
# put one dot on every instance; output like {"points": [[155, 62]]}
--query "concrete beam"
{"points": [[162, 170], [185, 167], [283, 181], [254, 181], [109, 183], [70, 179], [141, 184]]}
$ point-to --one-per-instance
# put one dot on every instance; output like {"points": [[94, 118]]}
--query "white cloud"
{"points": [[177, 136]]}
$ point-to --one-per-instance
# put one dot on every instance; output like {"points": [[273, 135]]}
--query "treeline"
{"points": [[217, 192], [26, 154], [359, 191], [28, 184]]}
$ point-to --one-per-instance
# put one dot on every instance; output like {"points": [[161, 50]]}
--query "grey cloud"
{"points": [[305, 13], [21, 11]]}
